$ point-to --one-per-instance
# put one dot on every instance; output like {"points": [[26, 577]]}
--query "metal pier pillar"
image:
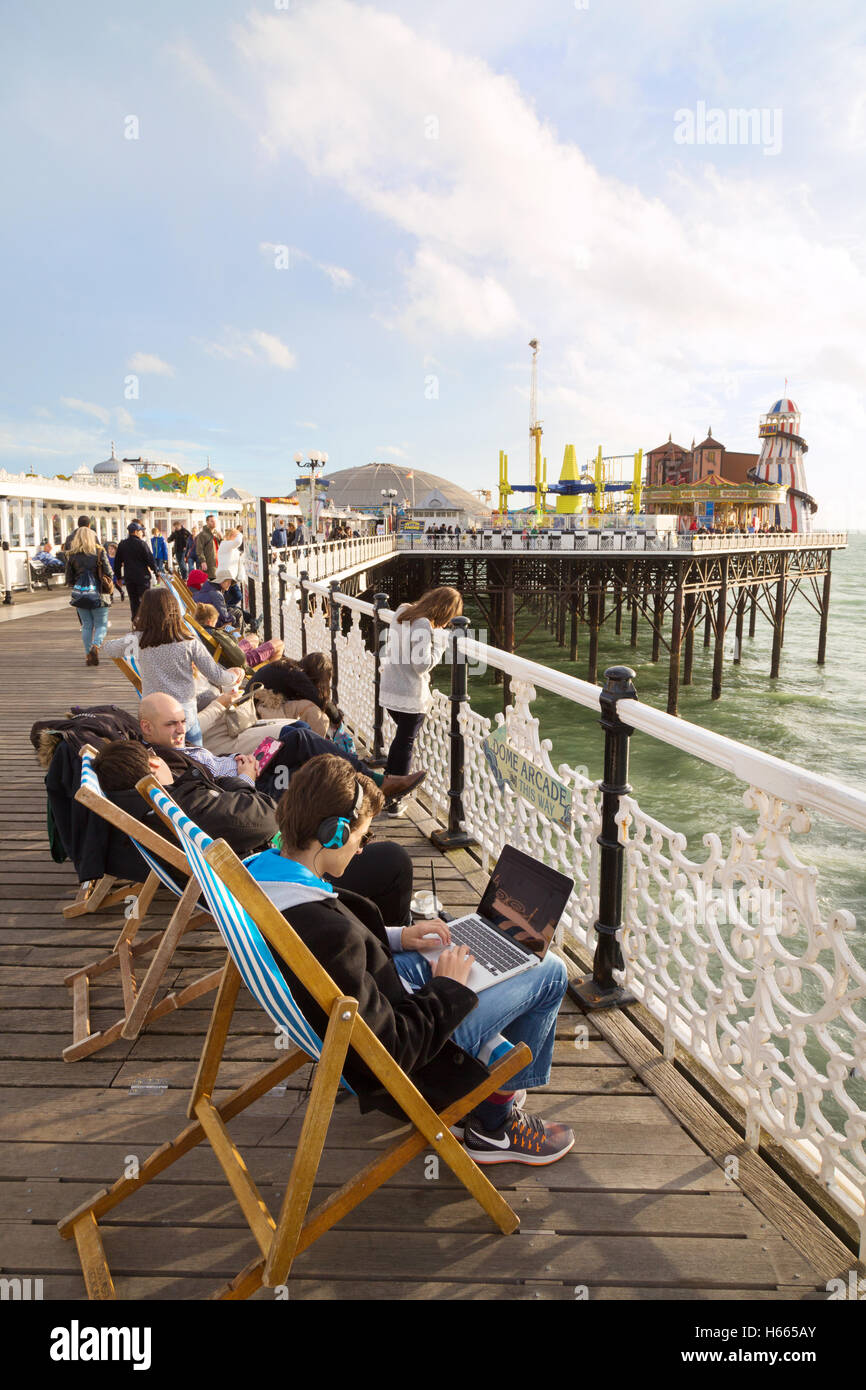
{"points": [[676, 639], [825, 613], [721, 615]]}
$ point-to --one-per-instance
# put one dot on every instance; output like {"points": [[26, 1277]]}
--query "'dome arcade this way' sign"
{"points": [[533, 784]]}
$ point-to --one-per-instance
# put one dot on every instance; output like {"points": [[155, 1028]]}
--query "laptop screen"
{"points": [[525, 899]]}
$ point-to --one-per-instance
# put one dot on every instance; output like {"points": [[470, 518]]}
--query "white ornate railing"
{"points": [[554, 542], [327, 558], [728, 946]]}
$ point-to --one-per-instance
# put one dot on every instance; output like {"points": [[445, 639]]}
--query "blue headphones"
{"points": [[335, 830]]}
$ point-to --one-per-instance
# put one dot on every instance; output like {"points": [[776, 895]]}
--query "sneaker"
{"points": [[518, 1103], [393, 807], [523, 1139]]}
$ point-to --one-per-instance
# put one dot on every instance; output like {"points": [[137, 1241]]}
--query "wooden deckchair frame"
{"points": [[138, 1006], [283, 1238], [131, 675]]}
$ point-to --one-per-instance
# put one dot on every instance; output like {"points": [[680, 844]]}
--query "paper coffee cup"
{"points": [[426, 904]]}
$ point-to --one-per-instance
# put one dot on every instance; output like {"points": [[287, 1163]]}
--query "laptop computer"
{"points": [[515, 921]]}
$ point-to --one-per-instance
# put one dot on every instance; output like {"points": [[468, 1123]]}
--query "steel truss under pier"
{"points": [[673, 593]]}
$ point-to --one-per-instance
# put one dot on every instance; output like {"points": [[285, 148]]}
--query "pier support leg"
{"points": [[689, 651], [708, 619], [596, 600], [721, 615], [658, 614], [738, 631], [634, 617], [676, 639], [507, 630], [778, 624], [753, 611], [574, 628], [617, 589], [825, 613]]}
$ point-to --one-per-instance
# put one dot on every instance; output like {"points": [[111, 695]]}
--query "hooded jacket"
{"points": [[74, 832], [346, 934], [133, 561]]}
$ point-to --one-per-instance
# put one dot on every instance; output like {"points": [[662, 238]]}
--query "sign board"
{"points": [[253, 540], [416, 526], [543, 791]]}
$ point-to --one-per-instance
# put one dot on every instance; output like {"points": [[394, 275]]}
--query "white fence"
{"points": [[614, 540], [724, 940]]}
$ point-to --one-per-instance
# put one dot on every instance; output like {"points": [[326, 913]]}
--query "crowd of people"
{"points": [[268, 766]]}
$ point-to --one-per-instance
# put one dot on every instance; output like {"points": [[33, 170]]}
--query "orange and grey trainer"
{"points": [[522, 1139]]}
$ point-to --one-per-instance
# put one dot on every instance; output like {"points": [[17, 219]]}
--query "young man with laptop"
{"points": [[440, 1008]]}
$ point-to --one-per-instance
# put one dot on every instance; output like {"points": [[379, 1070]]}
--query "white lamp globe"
{"points": [[324, 458], [299, 458]]}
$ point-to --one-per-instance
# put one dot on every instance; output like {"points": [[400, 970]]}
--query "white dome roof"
{"points": [[114, 465]]}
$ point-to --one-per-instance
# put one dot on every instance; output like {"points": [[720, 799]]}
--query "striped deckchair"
{"points": [[139, 1008], [257, 934]]}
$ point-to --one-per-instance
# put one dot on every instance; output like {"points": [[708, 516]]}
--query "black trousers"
{"points": [[135, 592], [383, 873], [399, 762]]}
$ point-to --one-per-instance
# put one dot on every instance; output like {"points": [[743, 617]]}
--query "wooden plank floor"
{"points": [[636, 1211]]}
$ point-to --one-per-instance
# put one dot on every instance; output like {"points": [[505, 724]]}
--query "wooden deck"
{"points": [[638, 1210]]}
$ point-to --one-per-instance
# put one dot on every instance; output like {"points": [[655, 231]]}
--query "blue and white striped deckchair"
{"points": [[139, 1008], [250, 952], [256, 934]]}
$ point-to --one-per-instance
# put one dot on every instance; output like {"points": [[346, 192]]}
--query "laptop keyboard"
{"points": [[496, 953]]}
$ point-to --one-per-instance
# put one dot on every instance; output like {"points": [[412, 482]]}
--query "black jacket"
{"points": [[346, 934], [178, 540], [134, 562], [226, 808], [98, 565], [93, 845]]}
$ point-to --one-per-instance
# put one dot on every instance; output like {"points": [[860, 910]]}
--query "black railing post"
{"points": [[455, 837], [7, 575], [334, 623], [305, 608], [380, 601], [600, 990]]}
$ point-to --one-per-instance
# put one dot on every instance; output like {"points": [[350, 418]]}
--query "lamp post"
{"points": [[316, 461], [389, 493]]}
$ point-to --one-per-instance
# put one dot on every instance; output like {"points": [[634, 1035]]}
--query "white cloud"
{"points": [[392, 449], [306, 425], [98, 412], [148, 362], [645, 305], [124, 419], [254, 345]]}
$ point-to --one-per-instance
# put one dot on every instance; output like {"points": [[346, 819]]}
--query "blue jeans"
{"points": [[94, 625], [523, 1009], [193, 728]]}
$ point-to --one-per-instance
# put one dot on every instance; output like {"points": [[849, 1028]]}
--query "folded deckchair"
{"points": [[139, 1008], [256, 934]]}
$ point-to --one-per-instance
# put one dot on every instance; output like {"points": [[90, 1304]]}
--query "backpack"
{"points": [[85, 591]]}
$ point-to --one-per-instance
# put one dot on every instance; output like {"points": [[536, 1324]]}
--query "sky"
{"points": [[237, 231]]}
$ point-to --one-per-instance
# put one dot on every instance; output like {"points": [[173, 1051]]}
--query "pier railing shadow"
{"points": [[728, 946]]}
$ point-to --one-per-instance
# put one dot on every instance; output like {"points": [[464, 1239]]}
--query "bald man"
{"points": [[163, 722]]}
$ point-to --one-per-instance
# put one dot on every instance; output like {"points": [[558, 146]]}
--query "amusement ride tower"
{"points": [[781, 461]]}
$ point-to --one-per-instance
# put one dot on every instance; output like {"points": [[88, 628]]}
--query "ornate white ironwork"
{"points": [[496, 816], [735, 957], [355, 664]]}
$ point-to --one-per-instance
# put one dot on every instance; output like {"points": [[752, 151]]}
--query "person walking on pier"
{"points": [[89, 576], [134, 564], [414, 644]]}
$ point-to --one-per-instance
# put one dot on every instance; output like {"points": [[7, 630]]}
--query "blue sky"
{"points": [[451, 181]]}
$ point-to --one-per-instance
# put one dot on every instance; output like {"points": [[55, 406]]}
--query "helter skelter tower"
{"points": [[781, 461]]}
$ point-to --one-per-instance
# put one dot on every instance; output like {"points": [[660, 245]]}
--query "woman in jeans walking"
{"points": [[415, 643], [89, 575]]}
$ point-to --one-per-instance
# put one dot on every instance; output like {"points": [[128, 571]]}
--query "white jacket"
{"points": [[411, 649]]}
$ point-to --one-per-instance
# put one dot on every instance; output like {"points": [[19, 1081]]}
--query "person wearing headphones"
{"points": [[437, 1029]]}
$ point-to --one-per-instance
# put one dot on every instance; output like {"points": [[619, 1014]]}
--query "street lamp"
{"points": [[316, 460], [389, 493]]}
